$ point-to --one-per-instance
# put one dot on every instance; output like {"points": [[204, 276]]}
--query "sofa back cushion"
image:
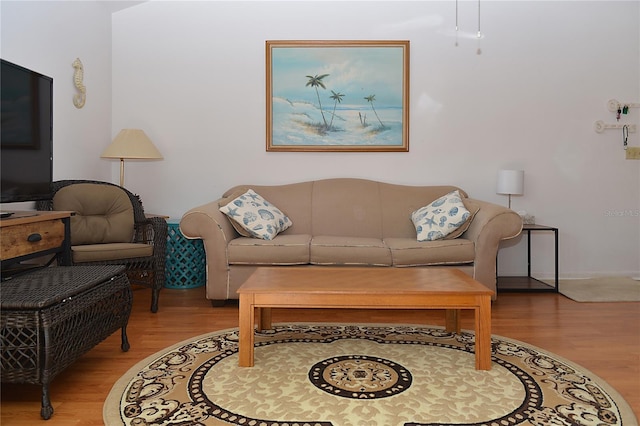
{"points": [[103, 213], [399, 201], [294, 200], [347, 208]]}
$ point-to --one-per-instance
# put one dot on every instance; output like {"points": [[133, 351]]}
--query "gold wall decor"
{"points": [[78, 74]]}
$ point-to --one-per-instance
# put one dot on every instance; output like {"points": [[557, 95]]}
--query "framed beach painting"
{"points": [[337, 95]]}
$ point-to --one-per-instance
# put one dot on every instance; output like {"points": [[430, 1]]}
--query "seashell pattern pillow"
{"points": [[440, 218], [257, 216]]}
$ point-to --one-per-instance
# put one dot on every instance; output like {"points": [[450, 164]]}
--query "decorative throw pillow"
{"points": [[473, 208], [440, 218], [256, 215], [239, 229]]}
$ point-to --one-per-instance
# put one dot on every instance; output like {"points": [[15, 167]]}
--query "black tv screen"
{"points": [[26, 139]]}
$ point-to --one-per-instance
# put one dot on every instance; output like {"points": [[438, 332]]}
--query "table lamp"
{"points": [[131, 144], [510, 182]]}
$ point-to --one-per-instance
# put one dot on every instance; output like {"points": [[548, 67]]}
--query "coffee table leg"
{"points": [[452, 321], [264, 322], [246, 322], [483, 334]]}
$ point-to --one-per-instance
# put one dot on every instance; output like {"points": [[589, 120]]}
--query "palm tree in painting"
{"points": [[315, 81], [372, 98], [337, 98]]}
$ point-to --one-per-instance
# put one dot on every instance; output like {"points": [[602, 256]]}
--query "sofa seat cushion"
{"points": [[110, 251], [409, 252], [334, 250], [290, 249]]}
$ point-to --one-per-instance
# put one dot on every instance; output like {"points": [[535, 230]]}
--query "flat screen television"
{"points": [[26, 134]]}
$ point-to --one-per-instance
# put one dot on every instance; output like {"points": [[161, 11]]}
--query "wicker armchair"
{"points": [[110, 232]]}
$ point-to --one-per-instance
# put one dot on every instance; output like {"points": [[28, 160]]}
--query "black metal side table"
{"points": [[528, 283]]}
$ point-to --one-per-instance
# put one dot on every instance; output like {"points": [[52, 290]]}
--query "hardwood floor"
{"points": [[602, 337]]}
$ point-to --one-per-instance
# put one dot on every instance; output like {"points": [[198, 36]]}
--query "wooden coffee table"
{"points": [[364, 288]]}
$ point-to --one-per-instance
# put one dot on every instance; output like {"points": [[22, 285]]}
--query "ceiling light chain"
{"points": [[456, 23], [479, 50], [478, 34]]}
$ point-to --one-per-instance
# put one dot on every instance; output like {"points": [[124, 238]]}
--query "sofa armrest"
{"points": [[213, 227], [492, 224]]}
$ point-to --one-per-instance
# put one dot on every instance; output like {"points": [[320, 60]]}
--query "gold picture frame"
{"points": [[349, 96]]}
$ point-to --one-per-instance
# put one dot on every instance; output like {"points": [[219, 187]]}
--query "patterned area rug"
{"points": [[318, 374]]}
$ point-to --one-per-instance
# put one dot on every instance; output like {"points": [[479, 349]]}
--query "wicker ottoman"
{"points": [[52, 316]]}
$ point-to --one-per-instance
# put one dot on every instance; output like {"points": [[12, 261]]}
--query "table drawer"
{"points": [[31, 238]]}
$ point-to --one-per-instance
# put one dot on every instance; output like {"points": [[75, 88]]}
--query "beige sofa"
{"points": [[346, 222]]}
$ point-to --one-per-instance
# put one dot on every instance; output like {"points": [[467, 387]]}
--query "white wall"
{"points": [[191, 74], [47, 36]]}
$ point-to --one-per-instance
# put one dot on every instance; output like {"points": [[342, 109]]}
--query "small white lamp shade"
{"points": [[131, 144], [510, 182]]}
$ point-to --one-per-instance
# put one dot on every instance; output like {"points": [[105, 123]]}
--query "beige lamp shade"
{"points": [[131, 144]]}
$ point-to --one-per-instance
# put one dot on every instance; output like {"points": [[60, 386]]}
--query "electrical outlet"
{"points": [[633, 153]]}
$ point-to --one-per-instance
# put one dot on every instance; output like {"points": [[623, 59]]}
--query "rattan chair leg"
{"points": [[47, 409], [155, 295], [125, 340]]}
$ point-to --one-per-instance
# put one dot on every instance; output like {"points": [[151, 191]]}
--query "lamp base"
{"points": [[122, 172]]}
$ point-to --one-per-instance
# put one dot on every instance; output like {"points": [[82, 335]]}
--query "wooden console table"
{"points": [[29, 234]]}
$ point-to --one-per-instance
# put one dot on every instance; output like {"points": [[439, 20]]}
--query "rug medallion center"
{"points": [[360, 377]]}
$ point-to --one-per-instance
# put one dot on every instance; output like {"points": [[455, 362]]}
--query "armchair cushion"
{"points": [[103, 213], [110, 251]]}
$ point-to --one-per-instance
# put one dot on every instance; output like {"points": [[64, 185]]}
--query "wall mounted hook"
{"points": [[613, 105], [600, 126]]}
